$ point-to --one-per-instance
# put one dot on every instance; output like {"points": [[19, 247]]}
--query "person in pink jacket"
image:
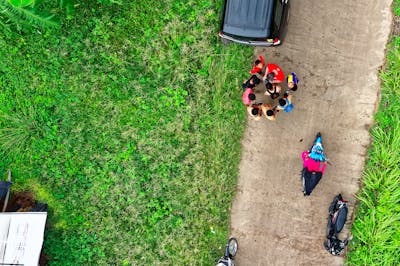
{"points": [[312, 165], [248, 97]]}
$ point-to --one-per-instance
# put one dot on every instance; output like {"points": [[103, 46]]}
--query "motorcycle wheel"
{"points": [[232, 246]]}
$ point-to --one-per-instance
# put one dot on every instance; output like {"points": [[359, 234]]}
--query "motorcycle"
{"points": [[337, 218], [230, 252]]}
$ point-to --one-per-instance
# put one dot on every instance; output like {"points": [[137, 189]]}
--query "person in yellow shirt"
{"points": [[292, 81]]}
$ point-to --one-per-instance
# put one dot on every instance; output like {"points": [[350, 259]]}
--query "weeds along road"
{"points": [[336, 48]]}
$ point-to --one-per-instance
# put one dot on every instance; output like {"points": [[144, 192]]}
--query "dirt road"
{"points": [[336, 48]]}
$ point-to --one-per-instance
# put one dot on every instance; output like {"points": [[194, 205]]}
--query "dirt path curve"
{"points": [[336, 48]]}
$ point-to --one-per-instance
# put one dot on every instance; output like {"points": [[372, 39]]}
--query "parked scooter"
{"points": [[230, 252], [336, 220]]}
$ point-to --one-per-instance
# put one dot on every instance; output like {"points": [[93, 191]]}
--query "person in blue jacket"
{"points": [[285, 103]]}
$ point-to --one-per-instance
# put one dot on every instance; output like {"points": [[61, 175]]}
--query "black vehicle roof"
{"points": [[248, 18]]}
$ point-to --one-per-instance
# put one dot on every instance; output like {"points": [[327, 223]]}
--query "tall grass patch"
{"points": [[128, 121], [376, 229]]}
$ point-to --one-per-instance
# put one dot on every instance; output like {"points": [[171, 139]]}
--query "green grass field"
{"points": [[127, 120], [376, 229]]}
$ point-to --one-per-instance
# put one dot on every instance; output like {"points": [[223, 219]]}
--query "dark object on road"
{"points": [[230, 252], [5, 191], [255, 22], [251, 82], [336, 220], [4, 188], [310, 180]]}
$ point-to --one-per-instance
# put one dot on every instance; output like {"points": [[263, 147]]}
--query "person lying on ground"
{"points": [[259, 66], [269, 111], [285, 103], [273, 90], [292, 81], [248, 96], [251, 82], [311, 164], [255, 111]]}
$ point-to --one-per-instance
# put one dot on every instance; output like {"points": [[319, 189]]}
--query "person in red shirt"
{"points": [[274, 74], [259, 66]]}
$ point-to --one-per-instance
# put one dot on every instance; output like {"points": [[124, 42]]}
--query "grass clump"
{"points": [[376, 229], [128, 123]]}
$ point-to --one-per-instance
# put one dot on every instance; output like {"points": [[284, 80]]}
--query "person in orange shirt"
{"points": [[255, 111], [269, 112]]}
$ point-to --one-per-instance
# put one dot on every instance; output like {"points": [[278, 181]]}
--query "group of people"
{"points": [[272, 77]]}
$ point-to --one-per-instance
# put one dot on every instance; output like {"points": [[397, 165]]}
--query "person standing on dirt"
{"points": [[285, 103], [255, 111], [259, 66], [292, 81], [262, 70], [273, 90], [269, 111], [251, 82], [274, 74], [248, 96]]}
